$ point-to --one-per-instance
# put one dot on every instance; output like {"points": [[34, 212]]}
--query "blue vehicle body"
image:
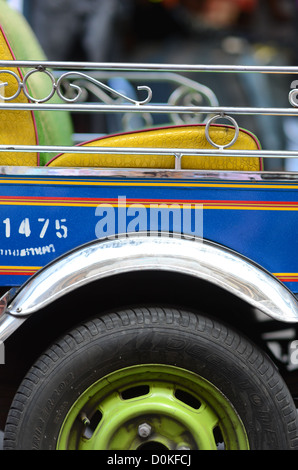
{"points": [[148, 272], [44, 215], [179, 216]]}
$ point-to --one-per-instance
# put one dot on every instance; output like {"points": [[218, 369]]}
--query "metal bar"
{"points": [[157, 109], [151, 151], [118, 66]]}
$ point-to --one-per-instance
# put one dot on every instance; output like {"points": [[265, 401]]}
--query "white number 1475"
{"points": [[24, 227]]}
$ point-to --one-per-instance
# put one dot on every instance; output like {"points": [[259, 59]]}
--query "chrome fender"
{"points": [[194, 257]]}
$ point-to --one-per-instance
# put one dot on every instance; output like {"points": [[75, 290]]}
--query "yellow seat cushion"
{"points": [[16, 127], [192, 136], [18, 42]]}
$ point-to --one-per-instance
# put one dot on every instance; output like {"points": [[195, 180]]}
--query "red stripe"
{"points": [[16, 273], [146, 201]]}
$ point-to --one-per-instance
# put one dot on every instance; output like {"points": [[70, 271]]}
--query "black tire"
{"points": [[244, 374]]}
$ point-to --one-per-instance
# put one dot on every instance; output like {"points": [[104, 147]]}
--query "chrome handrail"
{"points": [[144, 105], [146, 67]]}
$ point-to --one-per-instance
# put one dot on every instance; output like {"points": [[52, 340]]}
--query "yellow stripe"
{"points": [[160, 183], [21, 268], [33, 269], [285, 274], [205, 206]]}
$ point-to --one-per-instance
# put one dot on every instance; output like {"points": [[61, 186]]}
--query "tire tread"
{"points": [[142, 317]]}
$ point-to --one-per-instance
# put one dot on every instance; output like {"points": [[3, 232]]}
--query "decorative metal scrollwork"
{"points": [[4, 84], [187, 95], [101, 85], [22, 85]]}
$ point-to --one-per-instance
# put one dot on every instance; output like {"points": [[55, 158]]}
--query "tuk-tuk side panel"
{"points": [[42, 217]]}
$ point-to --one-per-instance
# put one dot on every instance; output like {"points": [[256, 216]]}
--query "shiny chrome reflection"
{"points": [[193, 257]]}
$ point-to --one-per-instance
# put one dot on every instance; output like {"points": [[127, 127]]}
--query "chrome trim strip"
{"points": [[198, 258], [6, 299], [8, 325], [243, 176]]}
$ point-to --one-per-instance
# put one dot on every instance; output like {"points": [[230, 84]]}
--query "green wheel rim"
{"points": [[148, 407]]}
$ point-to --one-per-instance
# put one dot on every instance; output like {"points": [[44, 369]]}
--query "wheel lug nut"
{"points": [[144, 430], [183, 447], [84, 419]]}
